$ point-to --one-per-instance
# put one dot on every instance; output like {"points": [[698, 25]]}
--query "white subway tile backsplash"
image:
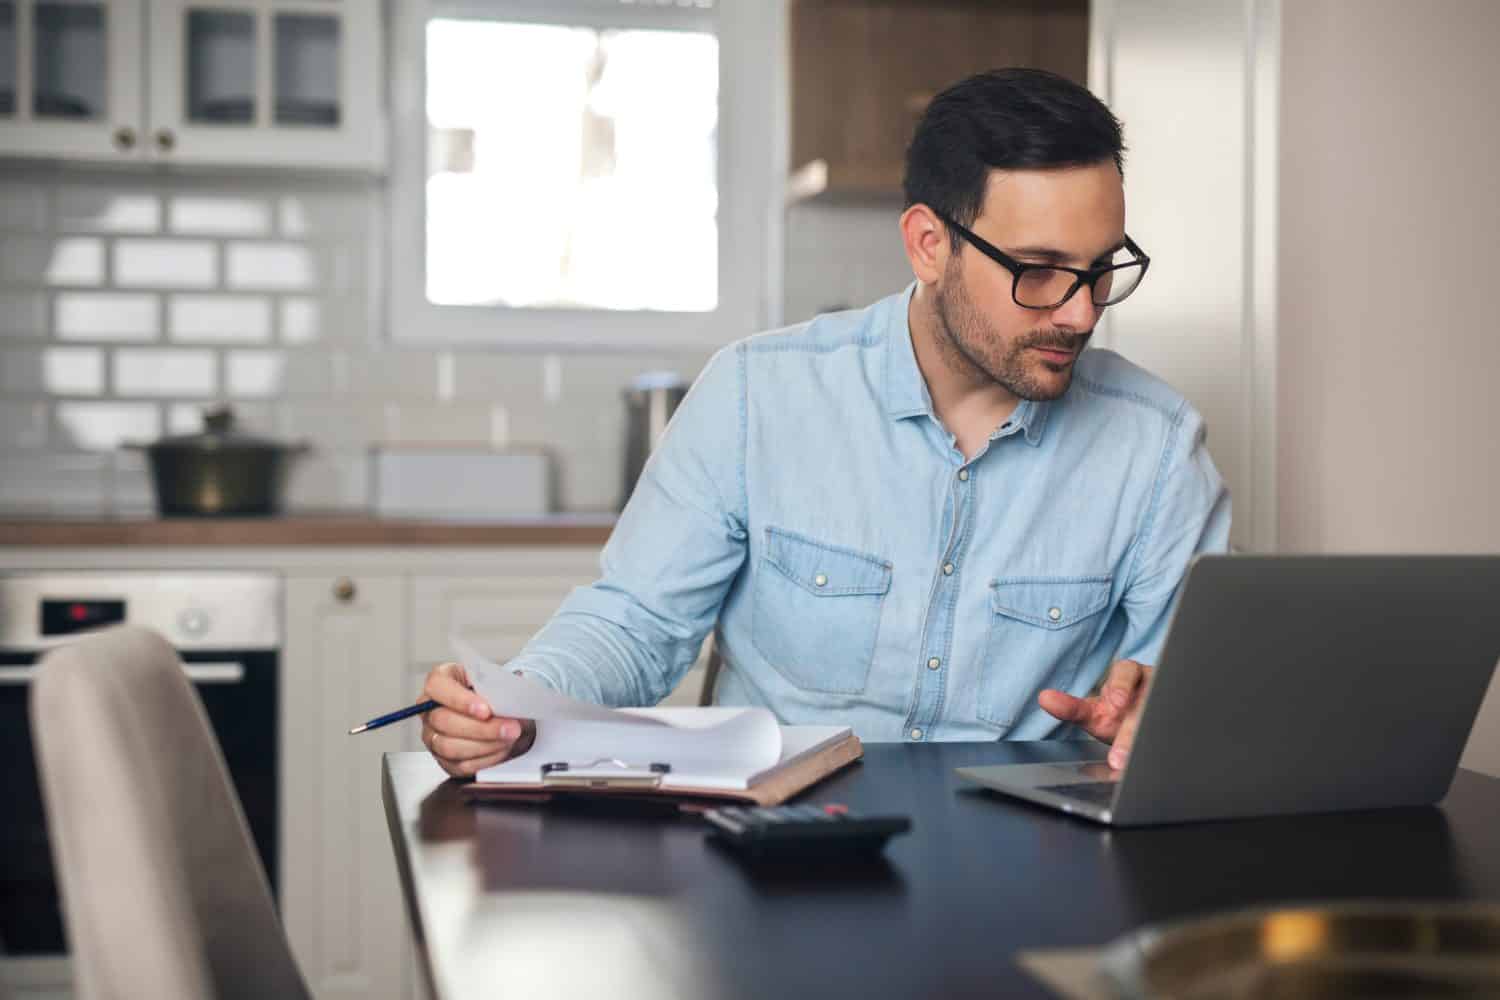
{"points": [[23, 314], [416, 424], [272, 267], [501, 378], [102, 210], [219, 318], [164, 372], [52, 371], [62, 484], [343, 426], [267, 292], [141, 263], [23, 208], [394, 374], [104, 426], [301, 320], [323, 214], [227, 215], [22, 424], [187, 418], [328, 482], [129, 490], [106, 316], [255, 373], [67, 260]]}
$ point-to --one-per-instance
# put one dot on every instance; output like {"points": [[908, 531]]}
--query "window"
{"points": [[583, 172]]}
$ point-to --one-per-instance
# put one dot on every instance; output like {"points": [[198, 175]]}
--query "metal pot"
{"points": [[220, 472]]}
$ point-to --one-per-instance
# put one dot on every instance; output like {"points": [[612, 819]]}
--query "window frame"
{"points": [[748, 33]]}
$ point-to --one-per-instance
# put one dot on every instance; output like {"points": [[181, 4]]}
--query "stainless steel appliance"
{"points": [[226, 627], [650, 401]]}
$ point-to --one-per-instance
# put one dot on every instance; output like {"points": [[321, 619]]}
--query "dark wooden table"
{"points": [[528, 900]]}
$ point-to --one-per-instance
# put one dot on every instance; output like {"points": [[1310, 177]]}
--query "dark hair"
{"points": [[1005, 119]]}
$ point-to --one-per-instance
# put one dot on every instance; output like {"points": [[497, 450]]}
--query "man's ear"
{"points": [[926, 241]]}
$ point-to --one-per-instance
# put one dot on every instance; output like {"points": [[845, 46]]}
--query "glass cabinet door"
{"points": [[9, 64], [220, 66], [69, 60], [71, 78], [261, 66], [306, 60], [267, 82]]}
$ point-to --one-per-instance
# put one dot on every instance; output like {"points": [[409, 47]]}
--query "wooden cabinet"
{"points": [[862, 72], [272, 83]]}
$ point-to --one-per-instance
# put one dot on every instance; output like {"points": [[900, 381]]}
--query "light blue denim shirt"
{"points": [[807, 503]]}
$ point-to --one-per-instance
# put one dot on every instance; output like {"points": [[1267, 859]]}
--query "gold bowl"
{"points": [[1375, 949]]}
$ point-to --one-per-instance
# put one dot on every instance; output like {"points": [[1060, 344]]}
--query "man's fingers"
{"points": [[1119, 688], [1119, 751], [1124, 740], [447, 685], [451, 723], [469, 768], [1064, 706], [455, 749]]}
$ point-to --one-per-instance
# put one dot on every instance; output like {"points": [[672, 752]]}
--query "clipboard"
{"points": [[611, 777]]}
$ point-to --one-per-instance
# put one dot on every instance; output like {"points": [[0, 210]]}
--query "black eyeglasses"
{"points": [[1047, 286]]}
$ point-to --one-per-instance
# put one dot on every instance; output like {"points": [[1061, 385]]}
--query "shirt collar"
{"points": [[906, 392]]}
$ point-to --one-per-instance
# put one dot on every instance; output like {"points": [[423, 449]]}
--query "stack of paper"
{"points": [[728, 749]]}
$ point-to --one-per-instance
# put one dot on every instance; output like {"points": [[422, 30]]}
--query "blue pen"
{"points": [[396, 716]]}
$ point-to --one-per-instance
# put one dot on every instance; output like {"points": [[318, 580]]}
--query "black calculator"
{"points": [[802, 831]]}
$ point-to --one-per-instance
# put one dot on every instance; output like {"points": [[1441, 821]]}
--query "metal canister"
{"points": [[650, 400]]}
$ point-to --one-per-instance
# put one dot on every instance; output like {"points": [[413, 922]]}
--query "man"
{"points": [[934, 518]]}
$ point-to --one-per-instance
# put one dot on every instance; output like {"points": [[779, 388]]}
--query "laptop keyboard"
{"points": [[1099, 793]]}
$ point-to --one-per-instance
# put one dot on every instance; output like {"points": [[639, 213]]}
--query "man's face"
{"points": [[1072, 216]]}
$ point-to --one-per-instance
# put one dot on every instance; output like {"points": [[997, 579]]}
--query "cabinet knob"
{"points": [[344, 589], [165, 140], [124, 138]]}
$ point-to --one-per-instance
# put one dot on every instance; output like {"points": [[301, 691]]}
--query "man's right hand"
{"points": [[465, 735]]}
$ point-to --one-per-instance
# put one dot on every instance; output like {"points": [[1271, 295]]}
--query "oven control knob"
{"points": [[194, 622]]}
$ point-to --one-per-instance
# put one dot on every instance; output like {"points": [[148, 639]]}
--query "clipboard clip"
{"points": [[605, 772]]}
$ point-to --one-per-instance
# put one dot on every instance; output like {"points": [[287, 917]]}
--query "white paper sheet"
{"points": [[705, 747]]}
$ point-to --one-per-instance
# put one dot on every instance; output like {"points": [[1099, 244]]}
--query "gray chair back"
{"points": [[163, 892]]}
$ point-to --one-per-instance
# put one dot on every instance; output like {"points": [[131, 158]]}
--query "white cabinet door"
{"points": [[341, 897], [266, 83], [71, 81]]}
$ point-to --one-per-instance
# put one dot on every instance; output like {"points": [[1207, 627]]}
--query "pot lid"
{"points": [[219, 431]]}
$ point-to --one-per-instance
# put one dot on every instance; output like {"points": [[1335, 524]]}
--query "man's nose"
{"points": [[1078, 313]]}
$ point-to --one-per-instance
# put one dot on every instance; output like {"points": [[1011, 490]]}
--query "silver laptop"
{"points": [[1294, 684]]}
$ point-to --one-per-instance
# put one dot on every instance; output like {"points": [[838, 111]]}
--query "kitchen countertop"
{"points": [[557, 529]]}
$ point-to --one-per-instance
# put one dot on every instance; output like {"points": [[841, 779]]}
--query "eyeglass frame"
{"points": [[1081, 275]]}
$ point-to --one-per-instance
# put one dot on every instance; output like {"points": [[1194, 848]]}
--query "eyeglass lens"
{"points": [[1045, 287]]}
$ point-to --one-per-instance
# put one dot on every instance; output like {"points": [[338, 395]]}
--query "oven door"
{"points": [[238, 690]]}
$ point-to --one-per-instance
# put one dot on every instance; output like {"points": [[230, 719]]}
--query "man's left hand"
{"points": [[1110, 716]]}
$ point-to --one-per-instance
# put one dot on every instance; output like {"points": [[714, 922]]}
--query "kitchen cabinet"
{"points": [[272, 83], [862, 72], [341, 899], [363, 625]]}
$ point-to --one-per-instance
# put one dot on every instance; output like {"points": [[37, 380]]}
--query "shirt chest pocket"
{"points": [[817, 611], [1039, 631]]}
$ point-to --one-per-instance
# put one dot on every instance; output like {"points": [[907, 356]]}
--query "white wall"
{"points": [[1180, 74], [1390, 226], [1315, 182]]}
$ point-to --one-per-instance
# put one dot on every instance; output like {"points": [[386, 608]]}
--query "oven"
{"points": [[227, 629]]}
